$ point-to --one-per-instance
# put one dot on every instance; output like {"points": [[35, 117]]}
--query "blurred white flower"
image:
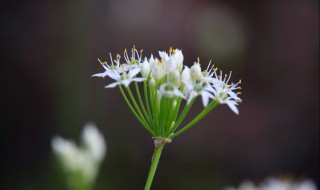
{"points": [[94, 142], [277, 184], [84, 160], [67, 152]]}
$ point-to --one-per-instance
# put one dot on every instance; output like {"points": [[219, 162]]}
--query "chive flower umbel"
{"points": [[166, 84]]}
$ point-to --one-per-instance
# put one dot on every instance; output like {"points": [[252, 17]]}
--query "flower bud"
{"points": [[185, 75], [158, 70], [145, 71], [195, 72], [164, 56], [152, 83], [179, 59]]}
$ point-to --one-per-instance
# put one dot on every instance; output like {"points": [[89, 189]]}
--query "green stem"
{"points": [[181, 117], [210, 107], [136, 106], [134, 112], [154, 164], [141, 103]]}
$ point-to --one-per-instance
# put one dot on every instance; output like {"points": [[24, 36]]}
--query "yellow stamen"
{"points": [[118, 56], [170, 50], [198, 59]]}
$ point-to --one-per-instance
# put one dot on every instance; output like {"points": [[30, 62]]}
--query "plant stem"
{"points": [[154, 164], [210, 107]]}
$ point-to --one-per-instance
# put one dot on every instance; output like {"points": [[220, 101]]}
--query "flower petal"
{"points": [[112, 85], [134, 72], [232, 106], [100, 74], [114, 75]]}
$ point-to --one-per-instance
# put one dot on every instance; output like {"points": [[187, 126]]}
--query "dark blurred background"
{"points": [[49, 51]]}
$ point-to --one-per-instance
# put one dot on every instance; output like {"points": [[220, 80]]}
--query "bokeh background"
{"points": [[49, 51]]}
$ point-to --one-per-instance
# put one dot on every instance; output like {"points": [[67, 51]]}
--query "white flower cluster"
{"points": [[84, 160], [277, 184], [170, 78]]}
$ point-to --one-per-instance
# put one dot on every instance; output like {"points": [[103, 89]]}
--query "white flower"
{"points": [[224, 94], [185, 75], [67, 151], [145, 71], [201, 89], [125, 78], [277, 184], [164, 56], [106, 72], [178, 56], [173, 60], [94, 142], [158, 70], [169, 90], [83, 160], [208, 73], [115, 66], [195, 72]]}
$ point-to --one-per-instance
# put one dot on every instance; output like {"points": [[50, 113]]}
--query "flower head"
{"points": [[166, 83]]}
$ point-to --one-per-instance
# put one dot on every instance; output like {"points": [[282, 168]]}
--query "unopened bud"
{"points": [[145, 71], [195, 72]]}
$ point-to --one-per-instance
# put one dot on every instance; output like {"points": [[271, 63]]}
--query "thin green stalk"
{"points": [[145, 90], [136, 105], [134, 112], [162, 111], [182, 116], [177, 108], [210, 107], [154, 164], [168, 115], [153, 110], [141, 103]]}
